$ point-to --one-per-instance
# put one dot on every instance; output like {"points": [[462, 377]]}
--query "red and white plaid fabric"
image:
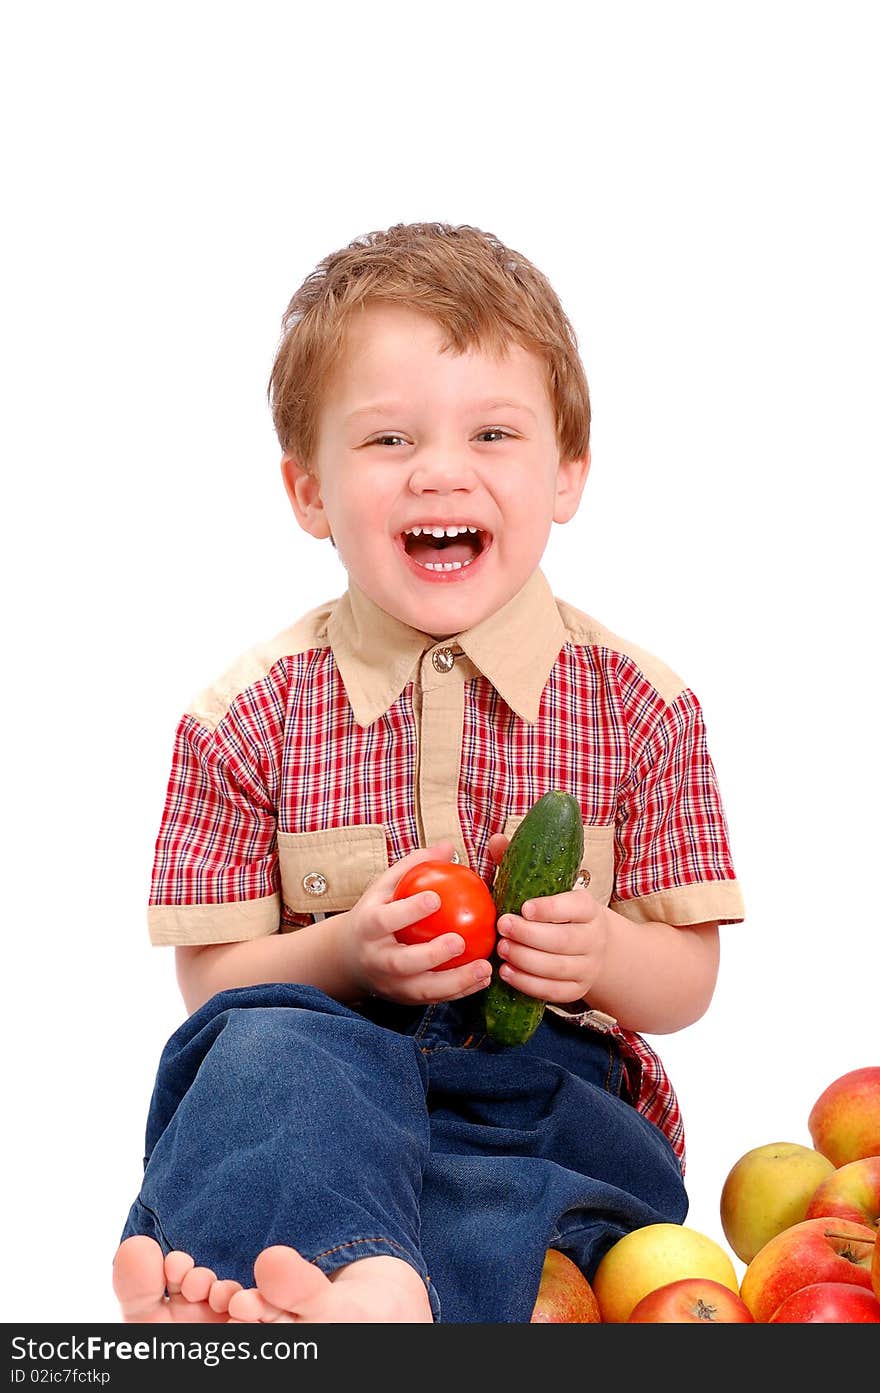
{"points": [[288, 756]]}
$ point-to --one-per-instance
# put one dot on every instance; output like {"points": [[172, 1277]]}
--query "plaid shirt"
{"points": [[351, 739]]}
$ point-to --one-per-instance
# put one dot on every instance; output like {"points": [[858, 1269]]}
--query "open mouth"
{"points": [[445, 549]]}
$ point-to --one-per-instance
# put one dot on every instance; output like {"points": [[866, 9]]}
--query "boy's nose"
{"points": [[442, 475]]}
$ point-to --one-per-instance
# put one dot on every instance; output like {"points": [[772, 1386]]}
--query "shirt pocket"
{"points": [[327, 871], [597, 867]]}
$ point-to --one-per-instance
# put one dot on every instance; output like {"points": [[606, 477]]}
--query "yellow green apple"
{"points": [[768, 1190], [652, 1256], [844, 1121]]}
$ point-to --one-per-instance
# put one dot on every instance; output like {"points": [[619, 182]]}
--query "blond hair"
{"points": [[482, 294]]}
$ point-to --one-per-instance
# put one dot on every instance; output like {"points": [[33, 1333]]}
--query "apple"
{"points": [[815, 1250], [844, 1121], [828, 1303], [564, 1294], [689, 1300], [875, 1268], [850, 1192], [652, 1256], [768, 1190]]}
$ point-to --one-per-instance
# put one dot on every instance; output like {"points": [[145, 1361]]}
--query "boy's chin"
{"points": [[441, 616], [440, 609]]}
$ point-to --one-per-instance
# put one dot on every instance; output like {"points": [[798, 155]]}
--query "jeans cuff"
{"points": [[331, 1259]]}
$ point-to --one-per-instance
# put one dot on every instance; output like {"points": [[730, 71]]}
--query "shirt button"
{"points": [[314, 883], [443, 659], [456, 858]]}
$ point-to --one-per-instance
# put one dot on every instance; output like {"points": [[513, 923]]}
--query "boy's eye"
{"points": [[393, 439]]}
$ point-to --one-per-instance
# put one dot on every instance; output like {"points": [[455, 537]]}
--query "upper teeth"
{"points": [[439, 531]]}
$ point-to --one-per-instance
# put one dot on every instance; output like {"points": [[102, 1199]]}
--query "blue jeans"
{"points": [[281, 1116]]}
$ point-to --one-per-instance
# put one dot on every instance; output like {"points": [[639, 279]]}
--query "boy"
{"points": [[332, 1137]]}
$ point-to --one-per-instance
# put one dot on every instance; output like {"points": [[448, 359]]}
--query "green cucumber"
{"points": [[543, 857]]}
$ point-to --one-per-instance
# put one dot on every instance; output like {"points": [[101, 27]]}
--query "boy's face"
{"points": [[411, 437]]}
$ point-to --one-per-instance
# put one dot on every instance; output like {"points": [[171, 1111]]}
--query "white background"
{"points": [[699, 183]]}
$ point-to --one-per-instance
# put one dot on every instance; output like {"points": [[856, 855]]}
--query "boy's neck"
{"points": [[515, 648]]}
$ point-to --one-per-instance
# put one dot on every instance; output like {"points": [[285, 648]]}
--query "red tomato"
{"points": [[466, 908]]}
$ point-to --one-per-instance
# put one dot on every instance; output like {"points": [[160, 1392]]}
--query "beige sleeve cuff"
{"points": [[708, 901], [214, 923]]}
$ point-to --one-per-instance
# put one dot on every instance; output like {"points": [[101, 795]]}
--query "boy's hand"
{"points": [[382, 966], [556, 948]]}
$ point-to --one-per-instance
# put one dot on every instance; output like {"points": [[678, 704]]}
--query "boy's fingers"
{"points": [[540, 987], [568, 907], [550, 938], [451, 985], [498, 844], [412, 959], [445, 948], [469, 990], [399, 914], [556, 967]]}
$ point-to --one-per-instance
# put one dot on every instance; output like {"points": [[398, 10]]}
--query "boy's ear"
{"points": [[304, 491], [570, 479]]}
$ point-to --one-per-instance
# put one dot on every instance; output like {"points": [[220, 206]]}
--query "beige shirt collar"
{"points": [[515, 648]]}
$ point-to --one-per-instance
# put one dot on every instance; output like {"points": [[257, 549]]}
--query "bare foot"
{"points": [[142, 1277], [288, 1288]]}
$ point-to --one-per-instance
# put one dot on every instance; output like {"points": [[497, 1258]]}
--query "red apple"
{"points": [[875, 1268], [564, 1295], [828, 1303], [844, 1121], [690, 1300], [815, 1250], [850, 1192]]}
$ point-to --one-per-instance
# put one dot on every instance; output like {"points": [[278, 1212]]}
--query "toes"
{"points": [[177, 1265], [249, 1305], [139, 1277], [221, 1293], [197, 1283], [286, 1280]]}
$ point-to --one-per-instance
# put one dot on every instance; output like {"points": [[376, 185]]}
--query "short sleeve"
{"points": [[672, 849], [215, 870]]}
